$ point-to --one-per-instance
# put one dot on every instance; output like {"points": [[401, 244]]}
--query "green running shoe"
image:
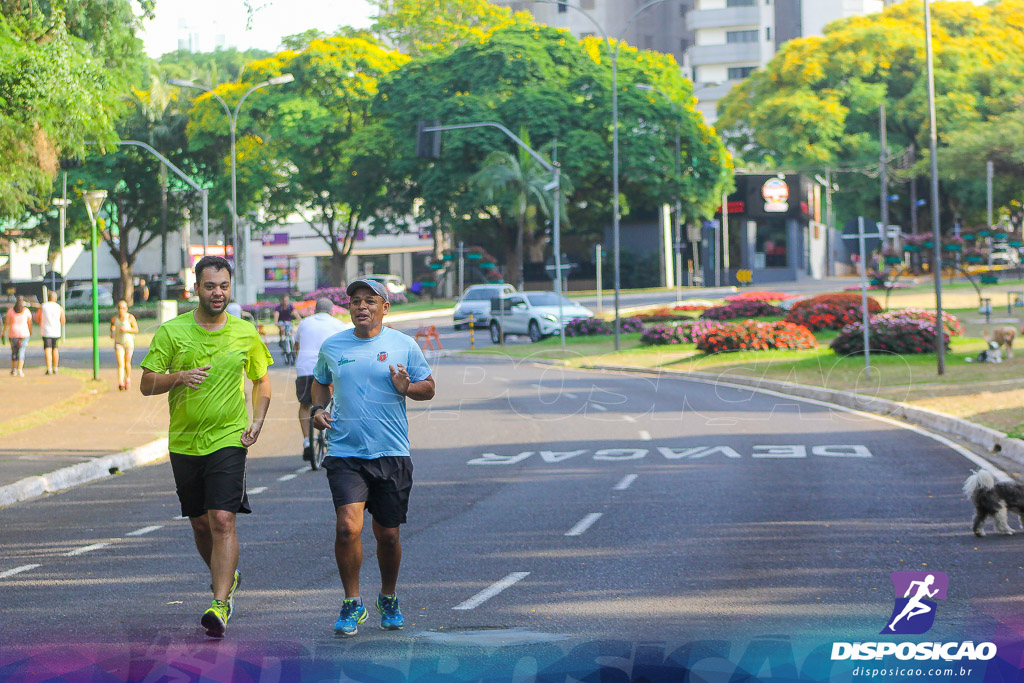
{"points": [[215, 619], [352, 614], [231, 593]]}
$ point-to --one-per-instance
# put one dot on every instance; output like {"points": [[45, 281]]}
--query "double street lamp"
{"points": [[93, 203], [233, 119], [614, 50]]}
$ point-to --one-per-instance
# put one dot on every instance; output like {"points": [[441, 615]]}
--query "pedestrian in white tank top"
{"points": [[51, 321]]}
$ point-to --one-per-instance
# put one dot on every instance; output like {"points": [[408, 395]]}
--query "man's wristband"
{"points": [[314, 409]]}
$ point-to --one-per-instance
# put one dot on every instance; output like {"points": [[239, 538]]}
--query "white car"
{"points": [[80, 296], [1002, 253], [477, 300], [534, 314], [393, 283]]}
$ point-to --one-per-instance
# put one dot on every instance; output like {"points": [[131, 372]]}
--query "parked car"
{"points": [[534, 314], [477, 300], [1005, 254], [393, 283], [80, 296]]}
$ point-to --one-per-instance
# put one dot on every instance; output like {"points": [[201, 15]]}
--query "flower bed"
{"points": [[892, 333], [665, 314], [744, 308], [759, 296], [261, 310], [335, 294], [661, 334], [751, 335], [830, 311], [589, 327], [953, 326]]}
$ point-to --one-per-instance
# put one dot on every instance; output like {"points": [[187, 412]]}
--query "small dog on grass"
{"points": [[994, 498], [993, 354], [1003, 336]]}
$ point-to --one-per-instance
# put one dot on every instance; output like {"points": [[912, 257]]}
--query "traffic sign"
{"points": [[567, 267], [744, 276]]}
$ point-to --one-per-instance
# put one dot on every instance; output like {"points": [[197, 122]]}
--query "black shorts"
{"points": [[304, 389], [382, 483], [50, 342], [211, 482]]}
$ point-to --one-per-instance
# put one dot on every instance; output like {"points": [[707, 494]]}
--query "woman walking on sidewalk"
{"points": [[18, 327], [123, 328]]}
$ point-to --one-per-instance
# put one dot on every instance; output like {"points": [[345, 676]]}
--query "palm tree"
{"points": [[518, 181]]}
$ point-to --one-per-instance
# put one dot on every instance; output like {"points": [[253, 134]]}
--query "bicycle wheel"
{"points": [[315, 438], [319, 450]]}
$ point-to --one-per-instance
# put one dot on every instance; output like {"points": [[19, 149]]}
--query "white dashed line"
{"points": [[584, 524], [18, 570], [569, 395], [629, 418], [598, 406], [645, 435], [536, 386], [625, 483], [179, 518], [302, 469], [86, 549], [287, 477], [144, 530], [256, 491], [492, 590]]}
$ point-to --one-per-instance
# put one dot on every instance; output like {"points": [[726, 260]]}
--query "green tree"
{"points": [[816, 104], [422, 27]]}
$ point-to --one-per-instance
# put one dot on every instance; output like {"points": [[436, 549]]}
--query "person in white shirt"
{"points": [[52, 321], [234, 308], [311, 333]]}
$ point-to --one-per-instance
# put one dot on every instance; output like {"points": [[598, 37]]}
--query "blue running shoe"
{"points": [[391, 618], [352, 614]]}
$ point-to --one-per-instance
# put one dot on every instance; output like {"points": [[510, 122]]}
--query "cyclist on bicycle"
{"points": [[310, 334], [285, 315]]}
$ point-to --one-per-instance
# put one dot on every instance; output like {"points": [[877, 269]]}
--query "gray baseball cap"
{"points": [[378, 288]]}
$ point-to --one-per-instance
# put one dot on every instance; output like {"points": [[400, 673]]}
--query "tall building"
{"points": [[716, 42]]}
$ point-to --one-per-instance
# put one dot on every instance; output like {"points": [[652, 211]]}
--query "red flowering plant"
{"points": [[892, 333], [759, 296], [830, 311], [752, 335], [665, 314], [588, 327], [743, 308]]}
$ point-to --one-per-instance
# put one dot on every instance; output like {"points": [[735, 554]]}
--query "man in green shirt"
{"points": [[201, 358]]}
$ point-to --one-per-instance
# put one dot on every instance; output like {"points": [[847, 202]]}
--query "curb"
{"points": [[66, 477], [420, 315], [990, 439]]}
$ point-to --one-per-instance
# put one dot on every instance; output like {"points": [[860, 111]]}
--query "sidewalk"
{"points": [[51, 422]]}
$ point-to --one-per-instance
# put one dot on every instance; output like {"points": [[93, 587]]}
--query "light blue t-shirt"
{"points": [[369, 413]]}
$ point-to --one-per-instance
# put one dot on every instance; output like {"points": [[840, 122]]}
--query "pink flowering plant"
{"points": [[892, 333], [743, 308]]}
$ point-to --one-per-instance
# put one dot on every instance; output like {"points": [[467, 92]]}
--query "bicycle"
{"points": [[286, 340], [318, 440]]}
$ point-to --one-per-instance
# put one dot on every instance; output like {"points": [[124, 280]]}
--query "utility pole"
{"points": [[989, 174], [883, 175]]}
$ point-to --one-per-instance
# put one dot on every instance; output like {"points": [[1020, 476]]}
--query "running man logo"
{"points": [[916, 592]]}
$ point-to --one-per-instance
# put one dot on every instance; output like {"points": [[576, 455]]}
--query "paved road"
{"points": [[561, 521]]}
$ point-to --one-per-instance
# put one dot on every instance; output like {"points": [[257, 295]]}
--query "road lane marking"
{"points": [[256, 491], [625, 482], [492, 590], [287, 477], [179, 517], [584, 524], [304, 468], [599, 407], [645, 435], [570, 395], [831, 452], [86, 549], [629, 418], [144, 530], [18, 570]]}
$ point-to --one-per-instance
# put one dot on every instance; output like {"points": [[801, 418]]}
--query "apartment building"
{"points": [[716, 42]]}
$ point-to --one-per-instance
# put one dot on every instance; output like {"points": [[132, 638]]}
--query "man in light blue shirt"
{"points": [[374, 369]]}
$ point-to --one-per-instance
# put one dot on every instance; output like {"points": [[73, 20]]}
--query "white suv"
{"points": [[534, 314], [80, 296]]}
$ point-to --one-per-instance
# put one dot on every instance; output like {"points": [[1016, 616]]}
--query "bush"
{"points": [[588, 327], [751, 335], [335, 294], [743, 308], [891, 333], [759, 296], [663, 334], [663, 315], [830, 311], [952, 325]]}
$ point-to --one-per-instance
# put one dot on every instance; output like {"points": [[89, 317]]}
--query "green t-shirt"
{"points": [[213, 416]]}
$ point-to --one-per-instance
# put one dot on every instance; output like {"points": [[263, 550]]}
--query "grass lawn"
{"points": [[989, 394]]}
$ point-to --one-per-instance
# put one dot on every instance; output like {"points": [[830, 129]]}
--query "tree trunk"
{"points": [[126, 283], [518, 256], [338, 261]]}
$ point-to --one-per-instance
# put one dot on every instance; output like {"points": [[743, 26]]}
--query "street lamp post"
{"points": [[233, 119], [614, 50], [93, 202], [62, 205], [940, 341], [678, 246]]}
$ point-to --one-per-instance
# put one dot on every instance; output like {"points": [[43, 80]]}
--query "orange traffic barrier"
{"points": [[428, 335]]}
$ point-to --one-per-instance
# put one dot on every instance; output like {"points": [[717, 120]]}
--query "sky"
{"points": [[213, 22]]}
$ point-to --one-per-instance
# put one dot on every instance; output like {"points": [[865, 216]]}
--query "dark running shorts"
{"points": [[382, 483], [50, 342], [304, 389], [211, 482]]}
